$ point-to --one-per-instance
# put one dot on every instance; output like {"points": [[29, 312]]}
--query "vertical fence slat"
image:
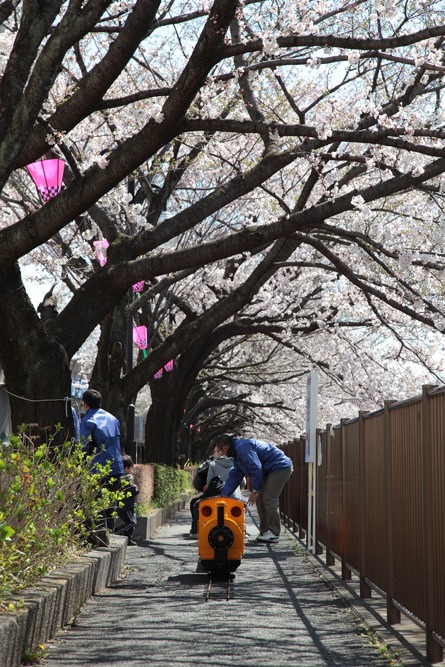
{"points": [[365, 589], [392, 613], [434, 651], [345, 571], [303, 491], [330, 560]]}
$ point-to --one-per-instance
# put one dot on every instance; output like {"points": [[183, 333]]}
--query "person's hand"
{"points": [[205, 488], [252, 498]]}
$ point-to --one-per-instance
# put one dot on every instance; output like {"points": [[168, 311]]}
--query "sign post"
{"points": [[310, 454]]}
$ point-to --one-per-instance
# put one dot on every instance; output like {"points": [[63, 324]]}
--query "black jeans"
{"points": [[98, 536], [128, 518], [112, 483], [194, 513]]}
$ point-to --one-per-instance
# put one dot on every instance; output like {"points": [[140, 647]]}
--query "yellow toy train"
{"points": [[221, 535]]}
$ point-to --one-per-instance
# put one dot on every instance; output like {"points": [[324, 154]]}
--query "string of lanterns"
{"points": [[47, 175]]}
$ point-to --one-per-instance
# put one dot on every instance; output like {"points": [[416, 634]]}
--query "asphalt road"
{"points": [[281, 613]]}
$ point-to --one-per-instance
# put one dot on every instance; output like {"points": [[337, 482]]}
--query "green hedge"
{"points": [[169, 483], [49, 503]]}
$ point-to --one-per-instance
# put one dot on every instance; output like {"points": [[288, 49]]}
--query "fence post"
{"points": [[434, 651], [392, 613], [302, 532], [330, 560], [294, 483], [365, 589], [345, 571], [289, 507]]}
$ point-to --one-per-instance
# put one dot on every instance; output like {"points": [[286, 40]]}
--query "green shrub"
{"points": [[47, 494], [169, 483]]}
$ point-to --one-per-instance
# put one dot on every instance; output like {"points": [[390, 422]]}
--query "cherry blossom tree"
{"points": [[308, 134], [364, 357]]}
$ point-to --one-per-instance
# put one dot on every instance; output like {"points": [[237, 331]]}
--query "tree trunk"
{"points": [[164, 418], [112, 363], [36, 367]]}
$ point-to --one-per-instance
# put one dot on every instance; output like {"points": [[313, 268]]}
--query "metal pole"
{"points": [[311, 450], [309, 506], [130, 447], [130, 444], [314, 497]]}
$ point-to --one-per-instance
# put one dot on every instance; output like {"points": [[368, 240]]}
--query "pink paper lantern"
{"points": [[140, 337], [138, 287], [101, 251], [47, 176], [169, 366]]}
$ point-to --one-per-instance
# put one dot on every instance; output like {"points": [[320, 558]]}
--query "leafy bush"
{"points": [[169, 483], [47, 497]]}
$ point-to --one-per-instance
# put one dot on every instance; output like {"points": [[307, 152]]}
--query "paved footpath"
{"points": [[281, 613]]}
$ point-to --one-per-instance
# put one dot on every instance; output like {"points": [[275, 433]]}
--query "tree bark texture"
{"points": [[35, 364]]}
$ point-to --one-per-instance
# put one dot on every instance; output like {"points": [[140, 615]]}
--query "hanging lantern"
{"points": [[168, 367], [47, 176], [138, 287], [140, 337], [101, 251]]}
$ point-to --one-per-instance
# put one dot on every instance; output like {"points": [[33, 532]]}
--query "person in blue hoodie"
{"points": [[100, 435], [268, 468]]}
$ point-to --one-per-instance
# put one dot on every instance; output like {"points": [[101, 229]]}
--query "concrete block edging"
{"points": [[148, 525], [55, 600]]}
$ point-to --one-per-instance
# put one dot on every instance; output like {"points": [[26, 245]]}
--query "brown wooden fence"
{"points": [[380, 506]]}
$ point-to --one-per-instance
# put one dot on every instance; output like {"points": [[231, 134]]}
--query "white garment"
{"points": [[220, 467]]}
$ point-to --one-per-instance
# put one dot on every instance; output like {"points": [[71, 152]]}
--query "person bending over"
{"points": [[268, 468]]}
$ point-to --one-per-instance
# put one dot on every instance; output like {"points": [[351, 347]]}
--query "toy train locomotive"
{"points": [[221, 535]]}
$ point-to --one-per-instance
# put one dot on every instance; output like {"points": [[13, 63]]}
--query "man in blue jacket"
{"points": [[268, 468], [100, 434]]}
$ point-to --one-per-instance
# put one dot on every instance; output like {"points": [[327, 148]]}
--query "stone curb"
{"points": [[57, 598]]}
